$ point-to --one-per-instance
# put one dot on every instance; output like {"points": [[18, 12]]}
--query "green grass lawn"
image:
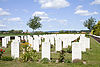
{"points": [[92, 58]]}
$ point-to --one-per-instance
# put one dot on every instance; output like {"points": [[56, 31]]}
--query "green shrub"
{"points": [[87, 34], [61, 58], [69, 49], [29, 56], [43, 40], [6, 58], [45, 60]]}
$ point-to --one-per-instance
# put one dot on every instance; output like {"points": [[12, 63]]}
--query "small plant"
{"points": [[23, 41], [45, 60], [43, 39], [67, 61], [6, 58], [61, 58], [53, 60], [76, 40], [24, 47], [30, 55], [1, 52], [69, 49]]}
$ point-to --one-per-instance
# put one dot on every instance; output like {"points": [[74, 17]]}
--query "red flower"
{"points": [[4, 51], [1, 50]]}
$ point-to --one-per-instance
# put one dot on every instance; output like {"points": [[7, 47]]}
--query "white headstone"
{"points": [[58, 44], [8, 38], [46, 50], [82, 42], [65, 45], [4, 43], [15, 49], [52, 40], [36, 45], [30, 40], [76, 51]]}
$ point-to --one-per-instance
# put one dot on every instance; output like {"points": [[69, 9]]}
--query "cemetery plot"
{"points": [[52, 49]]}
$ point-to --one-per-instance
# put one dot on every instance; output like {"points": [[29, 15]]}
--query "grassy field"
{"points": [[92, 58]]}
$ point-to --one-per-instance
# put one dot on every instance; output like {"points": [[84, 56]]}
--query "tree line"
{"points": [[90, 23]]}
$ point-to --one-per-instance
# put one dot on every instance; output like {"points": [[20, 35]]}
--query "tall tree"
{"points": [[34, 23], [89, 23]]}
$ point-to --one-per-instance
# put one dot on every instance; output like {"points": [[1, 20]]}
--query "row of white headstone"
{"points": [[79, 47], [52, 39], [5, 41], [35, 41]]}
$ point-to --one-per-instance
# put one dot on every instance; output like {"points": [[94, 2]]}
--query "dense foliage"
{"points": [[96, 29], [89, 23], [61, 58], [34, 23], [6, 58]]}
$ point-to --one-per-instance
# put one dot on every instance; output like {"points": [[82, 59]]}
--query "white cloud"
{"points": [[45, 18], [16, 19], [54, 3], [84, 12], [25, 10], [42, 15], [38, 13], [1, 25], [95, 2], [79, 7], [3, 12]]}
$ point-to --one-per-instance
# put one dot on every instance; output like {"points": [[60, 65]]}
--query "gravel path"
{"points": [[96, 38]]}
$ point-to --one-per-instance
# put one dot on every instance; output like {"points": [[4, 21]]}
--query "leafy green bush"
{"points": [[96, 29], [6, 58], [69, 49], [29, 56], [61, 58], [45, 60]]}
